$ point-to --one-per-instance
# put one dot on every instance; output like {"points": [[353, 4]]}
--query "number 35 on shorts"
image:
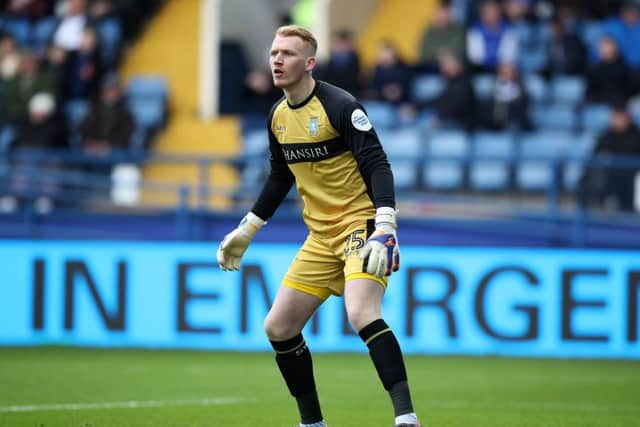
{"points": [[354, 242]]}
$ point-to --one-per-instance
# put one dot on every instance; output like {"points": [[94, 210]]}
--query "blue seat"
{"points": [[447, 152], [580, 151], [7, 135], [42, 33], [634, 110], [483, 85], [403, 146], [568, 89], [19, 29], [110, 34], [595, 117], [536, 87], [492, 151], [533, 59], [590, 32], [556, 116], [147, 113], [381, 114], [426, 87], [75, 111], [536, 156], [255, 142], [148, 87]]}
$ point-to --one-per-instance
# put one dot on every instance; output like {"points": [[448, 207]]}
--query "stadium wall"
{"points": [[472, 301]]}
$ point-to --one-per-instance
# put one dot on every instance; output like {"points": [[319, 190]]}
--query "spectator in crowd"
{"points": [[56, 65], [442, 34], [84, 69], [9, 63], [109, 124], [9, 57], [616, 185], [29, 81], [455, 105], [566, 53], [609, 79], [509, 104], [68, 35], [44, 128], [260, 92], [30, 9], [490, 41], [625, 30], [517, 15], [103, 9], [343, 67], [391, 77]]}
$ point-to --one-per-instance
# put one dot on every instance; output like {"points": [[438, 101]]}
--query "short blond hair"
{"points": [[301, 32]]}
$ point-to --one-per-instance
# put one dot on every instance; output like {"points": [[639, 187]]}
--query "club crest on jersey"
{"points": [[313, 126]]}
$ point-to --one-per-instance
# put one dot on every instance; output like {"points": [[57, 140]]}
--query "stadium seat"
{"points": [[426, 87], [42, 32], [568, 90], [538, 151], [75, 111], [533, 59], [147, 113], [580, 151], [255, 143], [381, 114], [536, 87], [148, 87], [403, 146], [7, 135], [483, 85], [110, 34], [590, 32], [18, 29], [634, 109], [595, 117], [489, 169], [447, 152], [554, 117]]}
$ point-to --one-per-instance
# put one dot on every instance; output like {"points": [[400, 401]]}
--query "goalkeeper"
{"points": [[321, 139]]}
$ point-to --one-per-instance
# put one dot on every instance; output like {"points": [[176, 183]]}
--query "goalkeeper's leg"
{"points": [[363, 300], [283, 325]]}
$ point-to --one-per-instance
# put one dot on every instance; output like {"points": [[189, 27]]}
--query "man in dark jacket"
{"points": [[109, 124], [622, 139]]}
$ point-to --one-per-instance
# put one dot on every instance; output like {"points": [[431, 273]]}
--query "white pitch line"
{"points": [[132, 404], [526, 405]]}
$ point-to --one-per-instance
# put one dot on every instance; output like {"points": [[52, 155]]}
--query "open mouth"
{"points": [[278, 73]]}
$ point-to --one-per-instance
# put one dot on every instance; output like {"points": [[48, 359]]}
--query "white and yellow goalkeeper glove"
{"points": [[234, 244], [381, 252]]}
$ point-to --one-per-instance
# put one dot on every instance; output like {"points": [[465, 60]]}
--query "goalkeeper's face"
{"points": [[291, 60]]}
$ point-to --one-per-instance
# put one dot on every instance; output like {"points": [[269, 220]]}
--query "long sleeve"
{"points": [[362, 140], [277, 185]]}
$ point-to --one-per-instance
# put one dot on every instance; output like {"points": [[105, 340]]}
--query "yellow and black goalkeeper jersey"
{"points": [[328, 147]]}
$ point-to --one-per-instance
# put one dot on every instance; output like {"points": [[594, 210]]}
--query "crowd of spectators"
{"points": [[59, 87], [67, 51], [513, 48]]}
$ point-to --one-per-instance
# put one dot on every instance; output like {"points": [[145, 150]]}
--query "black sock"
{"points": [[387, 358], [294, 360]]}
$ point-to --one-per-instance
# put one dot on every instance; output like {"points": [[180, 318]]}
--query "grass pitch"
{"points": [[65, 387]]}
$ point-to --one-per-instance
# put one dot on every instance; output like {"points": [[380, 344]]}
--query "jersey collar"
{"points": [[303, 103]]}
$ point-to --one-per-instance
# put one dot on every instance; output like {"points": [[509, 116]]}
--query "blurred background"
{"points": [[507, 122], [133, 138]]}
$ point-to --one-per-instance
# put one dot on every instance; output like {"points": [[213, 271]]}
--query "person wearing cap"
{"points": [[44, 128]]}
